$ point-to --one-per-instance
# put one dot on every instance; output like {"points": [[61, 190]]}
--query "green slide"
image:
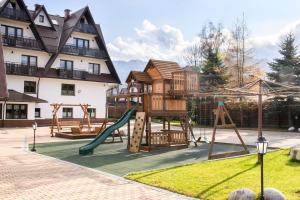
{"points": [[89, 148]]}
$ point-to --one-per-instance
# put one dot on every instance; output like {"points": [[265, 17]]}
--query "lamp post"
{"points": [[34, 126], [262, 145]]}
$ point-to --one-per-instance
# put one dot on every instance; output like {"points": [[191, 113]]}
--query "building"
{"points": [[52, 59]]}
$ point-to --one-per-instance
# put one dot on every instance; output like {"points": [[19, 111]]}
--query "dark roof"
{"points": [[165, 68], [142, 77], [55, 37], [15, 96], [3, 84]]}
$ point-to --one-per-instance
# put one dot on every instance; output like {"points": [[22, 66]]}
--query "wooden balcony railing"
{"points": [[21, 42], [19, 69], [70, 49], [16, 14], [72, 74], [85, 28], [157, 103]]}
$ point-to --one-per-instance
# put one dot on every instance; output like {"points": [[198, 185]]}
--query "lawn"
{"points": [[216, 179]]}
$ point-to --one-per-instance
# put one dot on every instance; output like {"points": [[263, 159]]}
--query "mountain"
{"points": [[124, 67]]}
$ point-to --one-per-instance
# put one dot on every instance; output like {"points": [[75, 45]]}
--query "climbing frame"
{"points": [[221, 114], [137, 135]]}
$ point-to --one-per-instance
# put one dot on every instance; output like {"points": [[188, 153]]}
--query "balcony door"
{"points": [[11, 31], [81, 43], [29, 61], [66, 65]]}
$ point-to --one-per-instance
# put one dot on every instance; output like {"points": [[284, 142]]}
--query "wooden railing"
{"points": [[168, 138], [72, 74], [85, 28], [19, 69], [21, 42], [16, 14], [158, 103], [71, 49]]}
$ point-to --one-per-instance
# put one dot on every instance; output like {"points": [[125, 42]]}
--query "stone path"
{"points": [[27, 176]]}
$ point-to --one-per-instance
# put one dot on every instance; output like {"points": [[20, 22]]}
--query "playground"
{"points": [[115, 158]]}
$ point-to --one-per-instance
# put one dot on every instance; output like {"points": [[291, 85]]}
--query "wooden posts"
{"points": [[221, 113], [55, 119]]}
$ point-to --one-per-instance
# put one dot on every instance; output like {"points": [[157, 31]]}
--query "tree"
{"points": [[239, 60], [286, 69], [194, 55], [213, 68]]}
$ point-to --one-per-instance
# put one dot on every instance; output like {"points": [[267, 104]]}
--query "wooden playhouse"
{"points": [[160, 91]]}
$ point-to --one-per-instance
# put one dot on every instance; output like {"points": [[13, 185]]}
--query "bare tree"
{"points": [[193, 55], [239, 60]]}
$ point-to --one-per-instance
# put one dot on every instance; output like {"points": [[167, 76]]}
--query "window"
{"points": [[68, 89], [81, 43], [16, 111], [41, 18], [92, 112], [1, 111], [30, 87], [82, 21], [37, 112], [66, 65], [11, 31], [29, 60], [94, 68], [67, 112]]}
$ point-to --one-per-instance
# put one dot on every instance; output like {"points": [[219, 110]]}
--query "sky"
{"points": [[143, 29]]}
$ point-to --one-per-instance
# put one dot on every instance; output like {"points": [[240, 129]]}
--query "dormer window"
{"points": [[41, 18]]}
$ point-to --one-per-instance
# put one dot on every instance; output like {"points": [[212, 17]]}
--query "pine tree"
{"points": [[213, 68], [287, 68]]}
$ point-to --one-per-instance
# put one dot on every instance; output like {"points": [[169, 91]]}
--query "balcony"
{"points": [[72, 74], [85, 28], [74, 50], [15, 14], [28, 43], [19, 69]]}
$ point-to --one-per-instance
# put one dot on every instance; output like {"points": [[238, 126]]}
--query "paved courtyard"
{"points": [[25, 175]]}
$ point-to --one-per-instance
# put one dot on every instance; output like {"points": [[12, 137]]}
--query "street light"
{"points": [[34, 127], [262, 145]]}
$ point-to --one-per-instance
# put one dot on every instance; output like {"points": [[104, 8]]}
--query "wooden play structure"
{"points": [[159, 91], [74, 129]]}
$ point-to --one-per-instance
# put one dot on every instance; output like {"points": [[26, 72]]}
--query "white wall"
{"points": [[81, 63], [14, 55], [24, 25], [92, 93], [46, 21], [90, 37], [17, 83]]}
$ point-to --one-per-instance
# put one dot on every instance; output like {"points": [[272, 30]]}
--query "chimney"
{"points": [[37, 6], [67, 13]]}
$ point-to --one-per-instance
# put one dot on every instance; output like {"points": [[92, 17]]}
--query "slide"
{"points": [[89, 148]]}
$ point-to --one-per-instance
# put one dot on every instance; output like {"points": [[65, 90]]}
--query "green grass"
{"points": [[216, 179]]}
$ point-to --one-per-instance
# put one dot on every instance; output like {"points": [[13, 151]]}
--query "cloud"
{"points": [[165, 42], [168, 43]]}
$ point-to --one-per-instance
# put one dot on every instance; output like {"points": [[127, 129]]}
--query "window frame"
{"points": [[41, 18], [65, 66], [13, 111], [84, 43], [1, 110], [15, 30], [31, 82], [39, 113], [67, 93], [67, 117], [89, 112], [93, 68], [29, 57]]}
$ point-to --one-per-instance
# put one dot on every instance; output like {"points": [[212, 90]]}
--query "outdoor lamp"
{"points": [[261, 145], [34, 127]]}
